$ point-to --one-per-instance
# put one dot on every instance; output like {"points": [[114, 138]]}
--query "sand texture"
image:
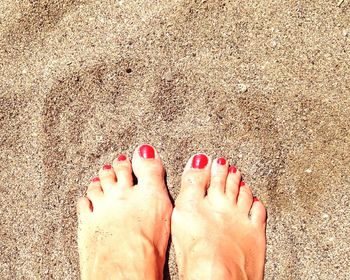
{"points": [[265, 84]]}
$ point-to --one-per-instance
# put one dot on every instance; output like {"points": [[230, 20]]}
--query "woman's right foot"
{"points": [[218, 227]]}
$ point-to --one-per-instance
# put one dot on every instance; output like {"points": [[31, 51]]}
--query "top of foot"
{"points": [[124, 228], [218, 227]]}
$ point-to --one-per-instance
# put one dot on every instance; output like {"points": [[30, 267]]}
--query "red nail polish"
{"points": [[232, 169], [107, 167], [122, 158], [255, 199], [221, 161], [241, 184], [146, 151], [95, 179], [199, 161]]}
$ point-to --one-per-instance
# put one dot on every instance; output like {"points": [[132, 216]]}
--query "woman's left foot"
{"points": [[124, 228]]}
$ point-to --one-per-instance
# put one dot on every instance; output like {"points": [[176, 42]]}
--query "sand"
{"points": [[265, 84]]}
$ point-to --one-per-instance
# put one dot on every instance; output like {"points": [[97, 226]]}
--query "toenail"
{"points": [[199, 161], [122, 158], [241, 184], [146, 151], [96, 179], [107, 167], [255, 199], [221, 161], [232, 169]]}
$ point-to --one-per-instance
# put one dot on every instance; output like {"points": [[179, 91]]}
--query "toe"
{"points": [[148, 167], [219, 170], [195, 179], [123, 170], [94, 191], [107, 177], [232, 183], [258, 213], [84, 206], [245, 198]]}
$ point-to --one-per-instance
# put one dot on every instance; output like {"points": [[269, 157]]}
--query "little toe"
{"points": [[123, 170], [232, 183], [94, 191], [219, 171], [245, 198], [258, 213], [195, 178], [84, 206], [148, 168], [107, 177]]}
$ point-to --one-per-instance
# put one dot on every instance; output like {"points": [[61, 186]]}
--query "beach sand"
{"points": [[265, 84]]}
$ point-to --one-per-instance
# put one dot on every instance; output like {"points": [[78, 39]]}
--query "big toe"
{"points": [[148, 168], [195, 179]]}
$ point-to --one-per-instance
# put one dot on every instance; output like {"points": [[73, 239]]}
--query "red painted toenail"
{"points": [[232, 169], [241, 184], [122, 158], [255, 199], [146, 151], [221, 161], [199, 161], [96, 179], [107, 167]]}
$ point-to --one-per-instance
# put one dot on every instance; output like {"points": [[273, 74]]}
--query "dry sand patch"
{"points": [[265, 84]]}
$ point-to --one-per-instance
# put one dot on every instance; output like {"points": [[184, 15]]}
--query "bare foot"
{"points": [[124, 229], [218, 228]]}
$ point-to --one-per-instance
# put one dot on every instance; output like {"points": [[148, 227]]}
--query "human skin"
{"points": [[218, 228]]}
